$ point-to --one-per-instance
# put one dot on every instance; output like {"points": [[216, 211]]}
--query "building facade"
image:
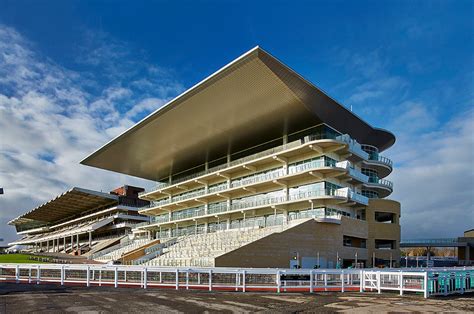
{"points": [[257, 167]]}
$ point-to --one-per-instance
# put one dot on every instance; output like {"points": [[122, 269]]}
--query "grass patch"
{"points": [[23, 259]]}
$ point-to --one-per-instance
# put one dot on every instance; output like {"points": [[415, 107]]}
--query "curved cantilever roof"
{"points": [[253, 99], [68, 204]]}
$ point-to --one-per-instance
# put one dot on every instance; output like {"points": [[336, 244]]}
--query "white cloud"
{"points": [[434, 174], [434, 151], [50, 119]]}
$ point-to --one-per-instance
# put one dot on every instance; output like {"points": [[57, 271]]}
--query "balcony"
{"points": [[239, 186], [352, 146], [383, 165], [262, 202], [382, 186]]}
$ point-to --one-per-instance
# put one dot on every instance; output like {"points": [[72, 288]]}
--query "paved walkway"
{"points": [[44, 298]]}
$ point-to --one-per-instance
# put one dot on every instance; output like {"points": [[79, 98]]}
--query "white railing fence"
{"points": [[429, 282]]}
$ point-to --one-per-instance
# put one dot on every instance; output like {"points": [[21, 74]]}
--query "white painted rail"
{"points": [[429, 282]]}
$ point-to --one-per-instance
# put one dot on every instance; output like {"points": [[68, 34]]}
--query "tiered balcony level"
{"points": [[342, 144], [339, 196], [381, 164], [250, 184]]}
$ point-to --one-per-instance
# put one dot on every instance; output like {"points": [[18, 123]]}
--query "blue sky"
{"points": [[75, 74]]}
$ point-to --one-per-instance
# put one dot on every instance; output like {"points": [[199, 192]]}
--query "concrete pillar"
{"points": [[228, 224], [47, 246], [72, 243], [77, 237], [64, 244], [206, 225], [90, 239]]}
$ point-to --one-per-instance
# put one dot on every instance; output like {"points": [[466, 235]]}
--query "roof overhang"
{"points": [[254, 99], [68, 204]]}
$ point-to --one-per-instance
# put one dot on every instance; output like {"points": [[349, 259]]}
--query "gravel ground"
{"points": [[45, 298]]}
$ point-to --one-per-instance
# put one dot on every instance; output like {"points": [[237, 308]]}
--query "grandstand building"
{"points": [[80, 221], [257, 167]]}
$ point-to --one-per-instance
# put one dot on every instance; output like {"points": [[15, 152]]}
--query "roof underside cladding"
{"points": [[253, 100], [68, 204]]}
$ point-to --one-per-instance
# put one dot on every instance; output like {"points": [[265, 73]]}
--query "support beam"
{"points": [[249, 189], [316, 148], [251, 168], [281, 183], [281, 159], [222, 175]]}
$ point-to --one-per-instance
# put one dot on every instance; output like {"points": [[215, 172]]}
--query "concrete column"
{"points": [[169, 232], [47, 246], [77, 237], [206, 225], [64, 244], [90, 239], [72, 243], [228, 224], [285, 216]]}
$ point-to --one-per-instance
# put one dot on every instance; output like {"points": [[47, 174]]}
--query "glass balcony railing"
{"points": [[258, 178], [262, 201], [381, 159], [358, 175], [273, 174], [189, 213], [354, 147], [383, 182]]}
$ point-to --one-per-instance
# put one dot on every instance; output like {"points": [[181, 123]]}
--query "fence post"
{"points": [[88, 276], [116, 277], [400, 281], [17, 273], [311, 279], [278, 281], [38, 275], [342, 280], [425, 284], [445, 285], [62, 275], [378, 282], [187, 279], [100, 277], [145, 277], [210, 280], [361, 281], [325, 281], [177, 279], [243, 281]]}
